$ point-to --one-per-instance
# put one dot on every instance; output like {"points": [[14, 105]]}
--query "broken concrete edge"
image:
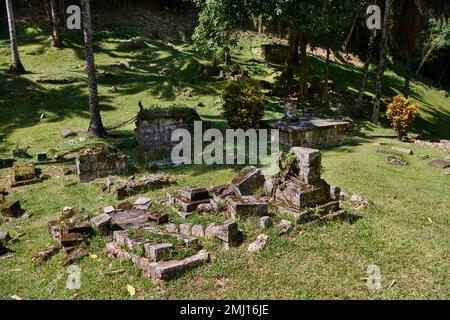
{"points": [[158, 270]]}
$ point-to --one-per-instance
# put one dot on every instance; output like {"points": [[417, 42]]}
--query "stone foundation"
{"points": [[310, 133]]}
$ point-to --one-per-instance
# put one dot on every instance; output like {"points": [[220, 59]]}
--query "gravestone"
{"points": [[154, 128]]}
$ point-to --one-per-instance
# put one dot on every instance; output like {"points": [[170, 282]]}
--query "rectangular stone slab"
{"points": [[242, 206], [129, 219], [185, 204], [249, 181], [194, 193], [171, 269]]}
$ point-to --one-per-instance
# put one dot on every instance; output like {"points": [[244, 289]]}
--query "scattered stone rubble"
{"points": [[135, 186], [99, 162], [443, 144]]}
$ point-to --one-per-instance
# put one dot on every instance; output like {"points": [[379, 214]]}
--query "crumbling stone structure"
{"points": [[99, 162], [298, 188], [154, 128]]}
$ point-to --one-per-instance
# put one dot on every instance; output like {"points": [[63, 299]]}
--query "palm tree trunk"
{"points": [[16, 64], [96, 128], [382, 64], [56, 41], [357, 110], [406, 90]]}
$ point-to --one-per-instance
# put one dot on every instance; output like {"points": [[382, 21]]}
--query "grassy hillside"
{"points": [[405, 231]]}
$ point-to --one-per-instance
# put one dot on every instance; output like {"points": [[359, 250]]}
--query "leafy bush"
{"points": [[402, 115], [243, 107]]}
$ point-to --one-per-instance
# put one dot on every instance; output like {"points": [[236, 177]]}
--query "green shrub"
{"points": [[402, 114], [243, 107]]}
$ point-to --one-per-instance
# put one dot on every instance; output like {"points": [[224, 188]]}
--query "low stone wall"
{"points": [[99, 162], [275, 53], [314, 133]]}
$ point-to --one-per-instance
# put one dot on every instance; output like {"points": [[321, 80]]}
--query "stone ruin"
{"points": [[99, 162], [275, 53], [154, 128], [299, 190], [158, 238]]}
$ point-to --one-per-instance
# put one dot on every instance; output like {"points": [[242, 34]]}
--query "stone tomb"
{"points": [[310, 133], [154, 128], [300, 190], [99, 162]]}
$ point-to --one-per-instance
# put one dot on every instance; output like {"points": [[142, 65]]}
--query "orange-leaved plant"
{"points": [[402, 114]]}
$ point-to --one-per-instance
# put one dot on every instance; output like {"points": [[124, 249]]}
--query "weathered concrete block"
{"points": [[159, 217], [71, 239], [84, 228], [142, 203], [129, 219], [145, 184], [249, 181], [198, 230], [227, 232], [185, 229], [265, 222], [156, 251], [11, 209], [54, 229], [171, 269], [310, 164], [259, 244], [194, 193], [242, 206], [102, 221], [43, 256]]}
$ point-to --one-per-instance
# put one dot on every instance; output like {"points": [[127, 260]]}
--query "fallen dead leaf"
{"points": [[93, 256], [429, 219], [131, 290], [16, 297], [393, 282]]}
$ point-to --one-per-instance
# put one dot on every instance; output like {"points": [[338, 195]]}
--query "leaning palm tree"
{"points": [[16, 64], [96, 128]]}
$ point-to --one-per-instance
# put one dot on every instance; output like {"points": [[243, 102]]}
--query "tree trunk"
{"points": [[352, 28], [382, 64], [303, 43], [56, 41], [62, 12], [294, 57], [357, 110], [96, 128], [326, 88], [16, 64], [406, 90]]}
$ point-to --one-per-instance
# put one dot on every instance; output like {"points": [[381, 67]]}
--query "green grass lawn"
{"points": [[405, 231]]}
